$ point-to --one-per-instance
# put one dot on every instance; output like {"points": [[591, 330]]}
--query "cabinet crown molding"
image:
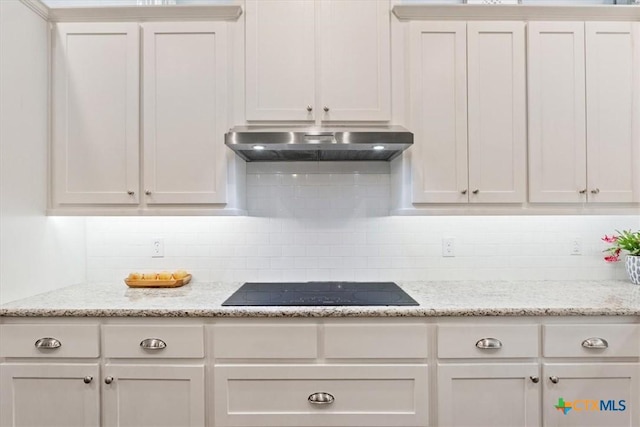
{"points": [[146, 13], [516, 12]]}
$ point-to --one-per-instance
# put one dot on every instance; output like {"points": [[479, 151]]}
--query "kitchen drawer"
{"points": [[125, 341], [75, 340], [372, 341], [462, 341], [265, 341], [365, 395], [566, 340]]}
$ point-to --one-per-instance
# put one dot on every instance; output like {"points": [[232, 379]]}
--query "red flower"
{"points": [[609, 239], [612, 258]]}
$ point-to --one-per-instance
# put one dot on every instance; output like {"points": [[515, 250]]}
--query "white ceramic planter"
{"points": [[633, 268]]}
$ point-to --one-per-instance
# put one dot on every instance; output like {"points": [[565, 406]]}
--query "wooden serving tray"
{"points": [[173, 283]]}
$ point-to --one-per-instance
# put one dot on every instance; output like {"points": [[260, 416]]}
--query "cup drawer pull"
{"points": [[153, 344], [489, 343], [48, 343], [597, 343], [321, 398]]}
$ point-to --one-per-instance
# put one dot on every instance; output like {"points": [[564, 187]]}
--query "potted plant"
{"points": [[628, 241]]}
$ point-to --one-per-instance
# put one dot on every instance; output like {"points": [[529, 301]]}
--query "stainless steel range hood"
{"points": [[256, 144]]}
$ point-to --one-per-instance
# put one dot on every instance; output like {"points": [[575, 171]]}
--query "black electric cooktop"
{"points": [[319, 293]]}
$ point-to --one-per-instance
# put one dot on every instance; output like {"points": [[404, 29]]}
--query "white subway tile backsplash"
{"points": [[326, 222]]}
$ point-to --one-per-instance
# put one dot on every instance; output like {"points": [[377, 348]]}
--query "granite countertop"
{"points": [[468, 298]]}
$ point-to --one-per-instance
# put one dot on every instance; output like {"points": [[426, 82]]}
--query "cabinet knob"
{"points": [[321, 398], [108, 380], [131, 193], [489, 343], [87, 379], [464, 191], [535, 379], [48, 344], [554, 379], [153, 344], [147, 192], [326, 109], [309, 108], [476, 191], [595, 191], [596, 343], [583, 191]]}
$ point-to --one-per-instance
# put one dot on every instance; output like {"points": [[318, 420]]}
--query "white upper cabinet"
{"points": [[95, 113], [101, 129], [583, 109], [280, 60], [322, 60], [468, 112], [185, 93], [439, 112], [497, 112], [613, 111], [354, 39], [557, 122]]}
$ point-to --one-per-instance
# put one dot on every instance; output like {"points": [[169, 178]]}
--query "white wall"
{"points": [[37, 253], [312, 223]]}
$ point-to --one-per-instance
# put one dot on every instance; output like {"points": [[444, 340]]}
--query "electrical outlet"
{"points": [[576, 246], [157, 248], [448, 247]]}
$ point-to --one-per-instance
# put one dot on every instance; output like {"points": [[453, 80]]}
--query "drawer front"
{"points": [[74, 340], [371, 395], [566, 340], [126, 341], [457, 341], [375, 341], [265, 341]]}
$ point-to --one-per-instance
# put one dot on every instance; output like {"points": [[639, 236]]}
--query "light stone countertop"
{"points": [[468, 298]]}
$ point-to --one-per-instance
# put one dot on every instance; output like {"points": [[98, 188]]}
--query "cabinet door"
{"points": [[95, 113], [154, 396], [354, 39], [488, 395], [439, 112], [185, 104], [280, 60], [590, 395], [497, 112], [557, 140], [613, 111], [49, 395]]}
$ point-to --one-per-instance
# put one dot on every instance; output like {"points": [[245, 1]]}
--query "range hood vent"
{"points": [[269, 144]]}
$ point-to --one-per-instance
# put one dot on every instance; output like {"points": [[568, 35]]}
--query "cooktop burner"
{"points": [[319, 293]]}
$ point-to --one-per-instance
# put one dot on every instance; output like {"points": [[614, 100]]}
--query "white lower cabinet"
{"points": [[328, 372], [154, 396], [164, 387], [49, 394], [497, 395], [593, 394]]}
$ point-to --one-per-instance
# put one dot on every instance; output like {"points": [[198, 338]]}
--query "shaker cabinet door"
{"points": [[355, 60], [613, 111], [481, 395], [497, 112], [49, 395], [557, 136], [95, 113], [591, 395], [439, 112], [184, 113], [153, 396], [280, 60]]}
